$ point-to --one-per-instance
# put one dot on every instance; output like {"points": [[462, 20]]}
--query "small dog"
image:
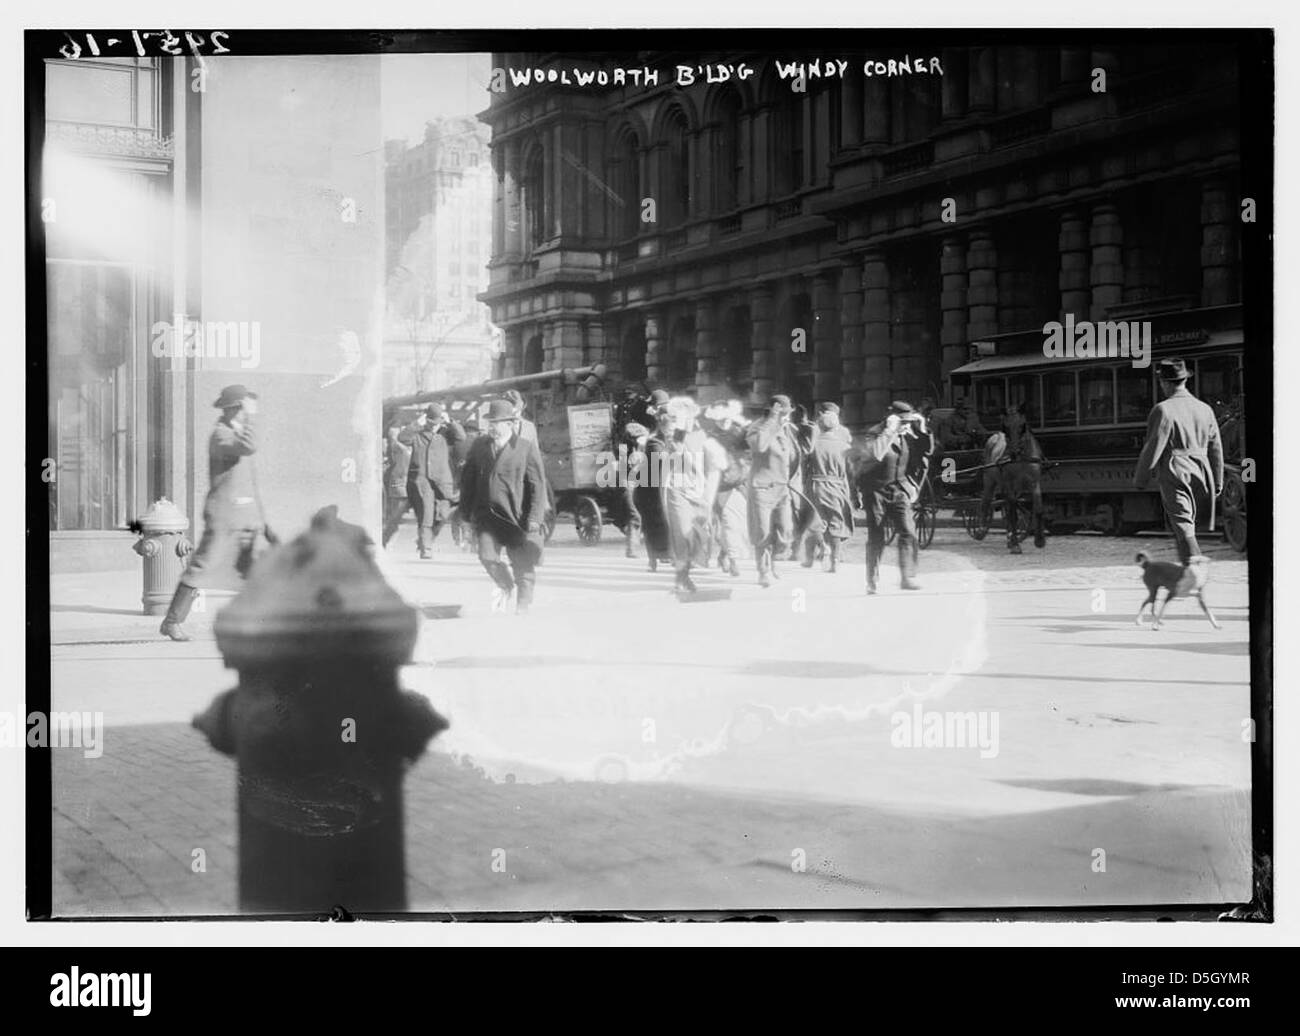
{"points": [[1177, 581]]}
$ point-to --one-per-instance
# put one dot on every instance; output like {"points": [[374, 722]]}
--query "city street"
{"points": [[620, 749]]}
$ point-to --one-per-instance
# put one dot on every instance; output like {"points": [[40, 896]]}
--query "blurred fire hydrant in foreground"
{"points": [[163, 546], [321, 730]]}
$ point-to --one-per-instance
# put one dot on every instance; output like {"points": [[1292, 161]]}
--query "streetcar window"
{"points": [[1215, 380], [1059, 401], [1135, 394], [1023, 389], [990, 400], [1097, 396]]}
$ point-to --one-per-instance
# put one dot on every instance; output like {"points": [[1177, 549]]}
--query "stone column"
{"points": [[875, 112], [826, 336], [760, 325], [907, 322], [981, 285], [1107, 272], [654, 348], [1075, 278], [875, 336], [706, 351], [851, 386], [952, 302], [1219, 278]]}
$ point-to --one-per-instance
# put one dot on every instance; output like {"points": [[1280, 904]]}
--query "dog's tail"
{"points": [[1142, 558]]}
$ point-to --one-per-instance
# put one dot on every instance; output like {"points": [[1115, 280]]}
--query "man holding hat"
{"points": [[825, 445], [774, 461], [232, 511], [503, 496], [429, 482], [898, 456], [1184, 456]]}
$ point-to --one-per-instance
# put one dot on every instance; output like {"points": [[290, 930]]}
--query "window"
{"points": [[1217, 381], [534, 197], [730, 162], [625, 206], [676, 170], [455, 158], [990, 401], [1023, 389], [473, 158], [1060, 406], [1134, 395], [789, 146], [1097, 396]]}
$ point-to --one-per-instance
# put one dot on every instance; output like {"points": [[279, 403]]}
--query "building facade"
{"points": [[851, 240], [439, 231], [209, 221]]}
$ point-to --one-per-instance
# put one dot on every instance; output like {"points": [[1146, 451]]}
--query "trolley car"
{"points": [[1089, 416]]}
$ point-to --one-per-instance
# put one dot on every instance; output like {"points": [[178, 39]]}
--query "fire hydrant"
{"points": [[321, 729], [163, 546]]}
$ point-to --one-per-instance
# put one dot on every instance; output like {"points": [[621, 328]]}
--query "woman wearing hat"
{"points": [[1183, 455], [692, 465], [232, 512], [644, 469]]}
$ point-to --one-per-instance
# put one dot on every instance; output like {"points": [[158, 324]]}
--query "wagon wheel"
{"points": [[1233, 503], [890, 531], [925, 513], [977, 522], [587, 520]]}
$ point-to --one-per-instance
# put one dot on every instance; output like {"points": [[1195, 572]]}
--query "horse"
{"points": [[1013, 465]]}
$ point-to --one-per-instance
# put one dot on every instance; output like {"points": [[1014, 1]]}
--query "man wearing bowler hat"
{"points": [[897, 457], [503, 496], [429, 482], [1184, 456], [232, 511]]}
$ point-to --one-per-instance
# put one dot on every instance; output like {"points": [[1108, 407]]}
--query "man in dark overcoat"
{"points": [[503, 496], [898, 453]]}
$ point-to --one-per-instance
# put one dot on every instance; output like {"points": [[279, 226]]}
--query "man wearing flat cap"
{"points": [[825, 444], [232, 511], [1183, 455], [774, 462], [897, 459], [430, 484], [503, 496]]}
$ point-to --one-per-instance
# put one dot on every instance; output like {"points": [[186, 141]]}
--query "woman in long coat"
{"points": [[693, 465], [644, 467]]}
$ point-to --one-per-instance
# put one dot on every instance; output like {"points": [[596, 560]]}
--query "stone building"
{"points": [[883, 220], [439, 237]]}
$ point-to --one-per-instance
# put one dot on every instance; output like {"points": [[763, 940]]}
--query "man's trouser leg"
{"points": [[905, 523], [420, 494], [1180, 516], [489, 553], [395, 505], [875, 509], [525, 574]]}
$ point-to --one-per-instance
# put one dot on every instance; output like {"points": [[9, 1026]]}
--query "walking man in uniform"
{"points": [[1184, 456], [774, 461], [826, 446], [429, 480], [898, 455], [503, 495], [232, 512]]}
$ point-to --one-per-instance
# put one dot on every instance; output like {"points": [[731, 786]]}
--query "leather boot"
{"points": [[177, 612]]}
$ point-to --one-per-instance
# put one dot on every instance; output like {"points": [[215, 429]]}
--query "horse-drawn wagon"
{"points": [[575, 435]]}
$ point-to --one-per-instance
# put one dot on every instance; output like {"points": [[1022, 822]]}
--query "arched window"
{"points": [[625, 176], [789, 145], [675, 174], [729, 162], [535, 197], [533, 355]]}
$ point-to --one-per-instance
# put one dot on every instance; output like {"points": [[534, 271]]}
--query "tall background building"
{"points": [[883, 223], [439, 204]]}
